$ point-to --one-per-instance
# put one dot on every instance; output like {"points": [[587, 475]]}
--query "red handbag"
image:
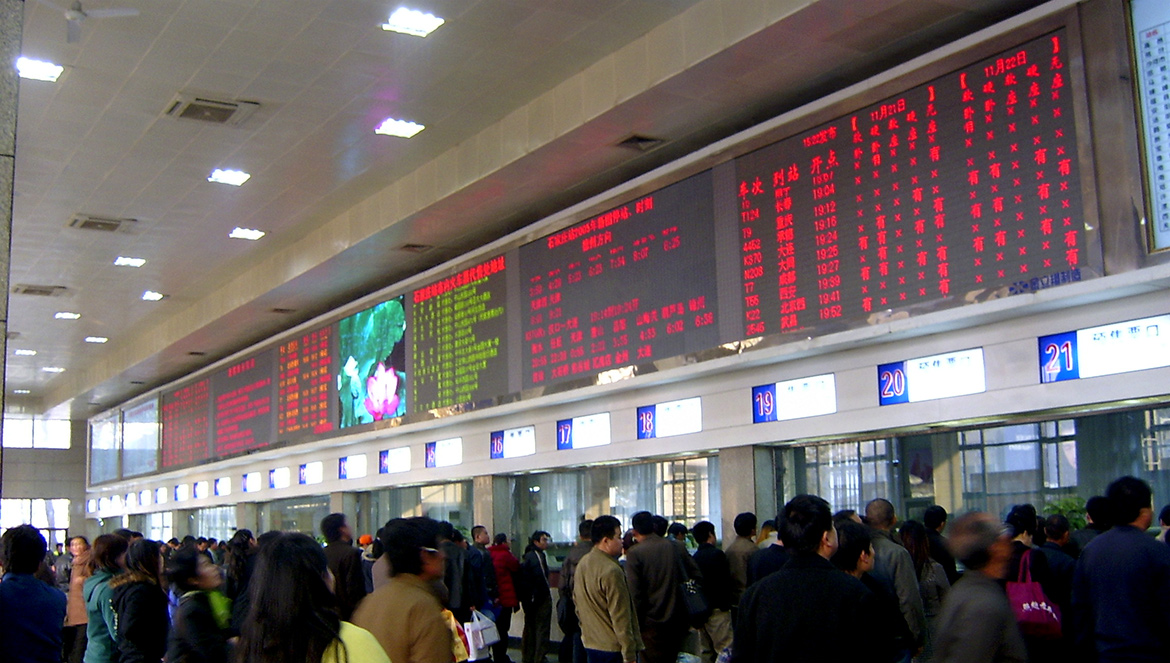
{"points": [[1036, 615]]}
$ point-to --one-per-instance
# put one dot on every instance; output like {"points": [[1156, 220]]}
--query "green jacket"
{"points": [[605, 606], [101, 630]]}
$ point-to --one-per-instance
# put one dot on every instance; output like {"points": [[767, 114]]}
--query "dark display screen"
{"points": [[304, 375], [629, 286], [459, 336], [952, 190], [186, 425], [103, 449], [140, 433], [245, 413], [372, 371]]}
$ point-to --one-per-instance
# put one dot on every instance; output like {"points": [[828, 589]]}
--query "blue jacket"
{"points": [[31, 615], [1121, 597]]}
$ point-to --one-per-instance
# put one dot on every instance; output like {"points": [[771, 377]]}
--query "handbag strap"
{"points": [[1025, 574]]}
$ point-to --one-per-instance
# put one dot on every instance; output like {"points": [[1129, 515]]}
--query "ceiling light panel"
{"points": [[399, 128], [123, 261], [246, 233], [96, 339], [152, 296], [66, 315], [19, 352], [412, 22], [53, 369], [232, 177], [37, 70], [21, 391]]}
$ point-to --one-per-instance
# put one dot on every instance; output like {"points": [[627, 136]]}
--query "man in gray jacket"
{"points": [[977, 624], [893, 565]]}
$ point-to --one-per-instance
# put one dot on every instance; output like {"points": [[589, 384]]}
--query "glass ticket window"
{"points": [[447, 501], [684, 490], [297, 514]]}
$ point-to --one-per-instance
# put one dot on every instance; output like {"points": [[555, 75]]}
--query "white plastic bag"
{"points": [[481, 635]]}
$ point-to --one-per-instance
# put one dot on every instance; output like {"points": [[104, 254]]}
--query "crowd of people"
{"points": [[812, 585]]}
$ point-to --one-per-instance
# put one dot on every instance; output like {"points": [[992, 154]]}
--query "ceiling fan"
{"points": [[75, 15]]}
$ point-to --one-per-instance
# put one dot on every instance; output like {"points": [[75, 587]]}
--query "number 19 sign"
{"points": [[794, 399], [1133, 345], [929, 378]]}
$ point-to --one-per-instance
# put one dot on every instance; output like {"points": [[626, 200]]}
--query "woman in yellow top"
{"points": [[293, 618]]}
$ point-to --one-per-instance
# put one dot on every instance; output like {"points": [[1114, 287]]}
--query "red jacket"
{"points": [[507, 566]]}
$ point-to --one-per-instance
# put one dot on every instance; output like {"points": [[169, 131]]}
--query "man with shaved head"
{"points": [[894, 566]]}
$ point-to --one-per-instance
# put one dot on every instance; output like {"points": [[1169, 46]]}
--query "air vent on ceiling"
{"points": [[39, 290], [641, 143], [416, 248], [101, 223], [196, 353], [203, 108], [284, 311], [12, 336]]}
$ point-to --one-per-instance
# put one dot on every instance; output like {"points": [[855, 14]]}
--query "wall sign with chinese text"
{"points": [[930, 378], [1134, 345]]}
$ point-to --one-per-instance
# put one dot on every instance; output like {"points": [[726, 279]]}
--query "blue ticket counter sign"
{"points": [[582, 432], [929, 378], [671, 418], [513, 442], [794, 399], [1121, 347]]}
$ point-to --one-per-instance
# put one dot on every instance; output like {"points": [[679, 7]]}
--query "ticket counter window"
{"points": [[447, 501], [684, 490], [298, 514], [214, 522]]}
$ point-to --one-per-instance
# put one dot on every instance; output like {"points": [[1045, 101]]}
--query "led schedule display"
{"points": [[245, 418], [955, 189], [1151, 25], [186, 425], [140, 433], [459, 338], [304, 397], [629, 286]]}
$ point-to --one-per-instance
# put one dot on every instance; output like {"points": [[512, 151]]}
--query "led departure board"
{"points": [[304, 378], [948, 192], [629, 286], [245, 416], [186, 425], [459, 338], [103, 449]]}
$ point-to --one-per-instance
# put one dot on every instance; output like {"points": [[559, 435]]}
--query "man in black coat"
{"points": [[345, 563], [802, 611], [935, 520], [715, 635], [536, 597]]}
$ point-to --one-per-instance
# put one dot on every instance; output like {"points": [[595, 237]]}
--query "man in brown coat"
{"points": [[656, 569]]}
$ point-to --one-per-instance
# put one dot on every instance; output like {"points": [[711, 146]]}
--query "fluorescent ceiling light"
{"points": [[19, 352], [96, 339], [245, 233], [232, 177], [36, 70], [53, 369], [400, 128], [66, 315], [123, 261], [21, 391], [412, 22], [152, 296]]}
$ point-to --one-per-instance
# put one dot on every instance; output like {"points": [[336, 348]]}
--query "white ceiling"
{"points": [[98, 143]]}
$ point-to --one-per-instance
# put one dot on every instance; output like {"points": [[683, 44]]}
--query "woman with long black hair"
{"points": [[293, 617], [140, 605], [106, 561]]}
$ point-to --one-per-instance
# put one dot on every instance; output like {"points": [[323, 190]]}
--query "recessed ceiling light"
{"points": [[19, 352], [400, 128], [232, 177], [38, 70], [123, 261], [21, 391], [66, 315], [245, 233], [53, 369], [152, 296], [412, 22], [96, 339]]}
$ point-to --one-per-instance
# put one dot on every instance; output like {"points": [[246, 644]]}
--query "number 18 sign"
{"points": [[1133, 345], [929, 378], [673, 418]]}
